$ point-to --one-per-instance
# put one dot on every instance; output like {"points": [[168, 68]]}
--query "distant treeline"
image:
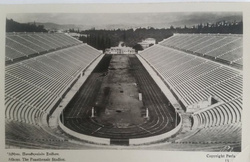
{"points": [[13, 26], [99, 42], [222, 27], [131, 37]]}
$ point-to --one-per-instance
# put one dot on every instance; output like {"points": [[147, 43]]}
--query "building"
{"points": [[120, 50], [76, 35], [147, 42]]}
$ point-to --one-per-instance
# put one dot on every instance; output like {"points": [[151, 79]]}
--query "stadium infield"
{"points": [[113, 90]]}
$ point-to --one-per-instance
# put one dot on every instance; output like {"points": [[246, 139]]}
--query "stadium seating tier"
{"points": [[28, 44], [209, 45]]}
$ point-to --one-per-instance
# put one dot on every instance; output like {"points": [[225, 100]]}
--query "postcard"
{"points": [[125, 82]]}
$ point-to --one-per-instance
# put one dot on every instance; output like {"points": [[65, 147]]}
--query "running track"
{"points": [[162, 116]]}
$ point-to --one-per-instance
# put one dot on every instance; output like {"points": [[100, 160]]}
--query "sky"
{"points": [[102, 20]]}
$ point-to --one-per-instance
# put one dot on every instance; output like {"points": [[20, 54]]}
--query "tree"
{"points": [[13, 26], [151, 44], [138, 47]]}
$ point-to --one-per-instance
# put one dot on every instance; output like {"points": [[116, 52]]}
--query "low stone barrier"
{"points": [[152, 139], [97, 140]]}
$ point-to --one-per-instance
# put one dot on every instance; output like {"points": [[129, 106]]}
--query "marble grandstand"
{"points": [[41, 68], [35, 86], [192, 78]]}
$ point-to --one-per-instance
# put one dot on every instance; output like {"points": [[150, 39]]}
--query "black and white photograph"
{"points": [[136, 81]]}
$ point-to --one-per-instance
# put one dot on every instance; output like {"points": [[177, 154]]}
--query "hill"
{"points": [[13, 26]]}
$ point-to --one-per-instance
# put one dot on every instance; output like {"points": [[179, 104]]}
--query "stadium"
{"points": [[181, 94]]}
